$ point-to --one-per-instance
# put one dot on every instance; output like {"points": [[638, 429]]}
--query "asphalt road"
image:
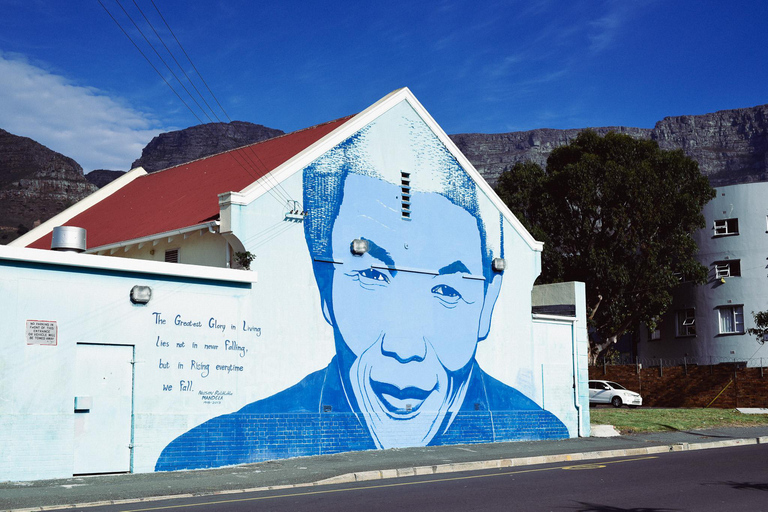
{"points": [[726, 479]]}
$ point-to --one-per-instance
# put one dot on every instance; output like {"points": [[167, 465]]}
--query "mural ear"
{"points": [[491, 294]]}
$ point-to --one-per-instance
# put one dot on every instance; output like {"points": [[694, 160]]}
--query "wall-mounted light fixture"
{"points": [[141, 294], [499, 264], [359, 246]]}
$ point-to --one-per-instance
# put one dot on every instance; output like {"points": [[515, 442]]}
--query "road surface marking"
{"points": [[384, 486]]}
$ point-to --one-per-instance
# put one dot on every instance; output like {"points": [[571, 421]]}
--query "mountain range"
{"points": [[731, 146]]}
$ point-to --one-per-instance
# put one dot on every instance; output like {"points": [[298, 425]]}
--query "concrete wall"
{"points": [[749, 291], [562, 343], [86, 299]]}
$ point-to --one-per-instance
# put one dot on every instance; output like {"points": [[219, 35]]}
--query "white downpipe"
{"points": [[575, 357]]}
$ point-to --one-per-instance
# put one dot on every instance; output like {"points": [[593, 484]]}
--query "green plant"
{"points": [[244, 259], [760, 330], [629, 421], [618, 214]]}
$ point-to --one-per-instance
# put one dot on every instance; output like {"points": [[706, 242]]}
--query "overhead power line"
{"points": [[276, 190], [181, 47], [243, 155]]}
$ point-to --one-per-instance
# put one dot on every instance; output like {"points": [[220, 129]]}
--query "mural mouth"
{"points": [[400, 401]]}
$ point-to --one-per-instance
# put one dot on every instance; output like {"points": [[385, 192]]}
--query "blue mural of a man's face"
{"points": [[407, 314]]}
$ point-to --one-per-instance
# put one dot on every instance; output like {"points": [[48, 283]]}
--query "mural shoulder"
{"points": [[303, 396], [501, 397]]}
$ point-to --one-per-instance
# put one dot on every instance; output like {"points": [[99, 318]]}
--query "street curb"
{"points": [[364, 476], [384, 474]]}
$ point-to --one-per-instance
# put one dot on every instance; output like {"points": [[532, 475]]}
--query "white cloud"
{"points": [[83, 123], [604, 31]]}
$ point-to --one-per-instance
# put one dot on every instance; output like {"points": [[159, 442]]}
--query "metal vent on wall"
{"points": [[405, 189], [172, 256]]}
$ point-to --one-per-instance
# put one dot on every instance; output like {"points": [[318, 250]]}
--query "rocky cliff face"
{"points": [[101, 177], [36, 183], [731, 146], [174, 148], [491, 154]]}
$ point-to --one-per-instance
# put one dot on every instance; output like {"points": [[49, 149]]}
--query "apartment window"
{"points": [[686, 322], [172, 256], [654, 335], [725, 227], [731, 319], [730, 268]]}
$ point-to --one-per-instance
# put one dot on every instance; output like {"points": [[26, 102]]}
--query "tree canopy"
{"points": [[760, 330], [618, 214]]}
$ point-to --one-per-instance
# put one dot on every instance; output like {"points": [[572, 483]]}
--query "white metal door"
{"points": [[103, 408]]}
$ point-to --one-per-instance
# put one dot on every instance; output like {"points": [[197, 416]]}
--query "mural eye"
{"points": [[370, 277], [446, 294], [373, 274]]}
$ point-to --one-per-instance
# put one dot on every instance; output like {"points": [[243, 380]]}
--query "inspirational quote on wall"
{"points": [[195, 352]]}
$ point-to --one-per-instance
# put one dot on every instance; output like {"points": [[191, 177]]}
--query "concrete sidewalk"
{"points": [[355, 466]]}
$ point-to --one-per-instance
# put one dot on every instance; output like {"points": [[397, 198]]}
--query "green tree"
{"points": [[618, 214], [760, 330]]}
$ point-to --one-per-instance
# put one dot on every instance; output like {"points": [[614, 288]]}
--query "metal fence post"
{"points": [[661, 367], [685, 365]]}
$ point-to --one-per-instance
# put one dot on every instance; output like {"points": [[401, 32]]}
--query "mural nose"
{"points": [[404, 349]]}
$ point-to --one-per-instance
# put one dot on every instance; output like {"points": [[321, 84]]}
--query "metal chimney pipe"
{"points": [[68, 239]]}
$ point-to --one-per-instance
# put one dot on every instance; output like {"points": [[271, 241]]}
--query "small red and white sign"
{"points": [[42, 332]]}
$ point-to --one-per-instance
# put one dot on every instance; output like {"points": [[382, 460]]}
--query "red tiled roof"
{"points": [[186, 195]]}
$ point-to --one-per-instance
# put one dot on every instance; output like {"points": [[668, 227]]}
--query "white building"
{"points": [[707, 323]]}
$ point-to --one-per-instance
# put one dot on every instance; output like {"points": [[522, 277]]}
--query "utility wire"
{"points": [[265, 232], [281, 200], [189, 59], [163, 61], [176, 61], [267, 177], [150, 63]]}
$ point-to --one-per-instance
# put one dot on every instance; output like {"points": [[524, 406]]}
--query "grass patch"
{"points": [[629, 421]]}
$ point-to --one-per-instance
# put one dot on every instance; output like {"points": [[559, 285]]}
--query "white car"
{"points": [[607, 392]]}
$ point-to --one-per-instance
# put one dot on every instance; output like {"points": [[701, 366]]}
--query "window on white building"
{"points": [[726, 227], [731, 319], [686, 322], [730, 268]]}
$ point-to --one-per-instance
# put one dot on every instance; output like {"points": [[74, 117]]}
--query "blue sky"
{"points": [[70, 79]]}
